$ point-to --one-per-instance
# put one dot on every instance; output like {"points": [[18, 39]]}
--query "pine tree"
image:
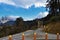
{"points": [[19, 24], [54, 7]]}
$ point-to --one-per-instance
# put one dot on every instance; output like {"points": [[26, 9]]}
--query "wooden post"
{"points": [[10, 37], [46, 36], [57, 36], [22, 36], [34, 36]]}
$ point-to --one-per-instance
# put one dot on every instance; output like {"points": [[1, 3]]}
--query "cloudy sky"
{"points": [[27, 9]]}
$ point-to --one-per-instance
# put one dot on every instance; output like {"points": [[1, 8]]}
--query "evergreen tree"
{"points": [[19, 21], [54, 7], [19, 24]]}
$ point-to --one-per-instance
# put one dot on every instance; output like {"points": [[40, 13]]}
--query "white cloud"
{"points": [[11, 16], [42, 14], [7, 2], [28, 19], [25, 3], [40, 4]]}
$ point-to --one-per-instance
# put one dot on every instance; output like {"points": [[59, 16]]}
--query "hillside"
{"points": [[52, 23], [53, 27], [16, 26]]}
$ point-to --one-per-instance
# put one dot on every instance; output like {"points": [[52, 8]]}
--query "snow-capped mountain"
{"points": [[4, 20], [8, 20]]}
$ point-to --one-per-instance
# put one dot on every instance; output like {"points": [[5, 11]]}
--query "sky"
{"points": [[27, 9]]}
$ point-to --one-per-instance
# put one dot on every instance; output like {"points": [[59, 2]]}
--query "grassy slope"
{"points": [[53, 24], [53, 27]]}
